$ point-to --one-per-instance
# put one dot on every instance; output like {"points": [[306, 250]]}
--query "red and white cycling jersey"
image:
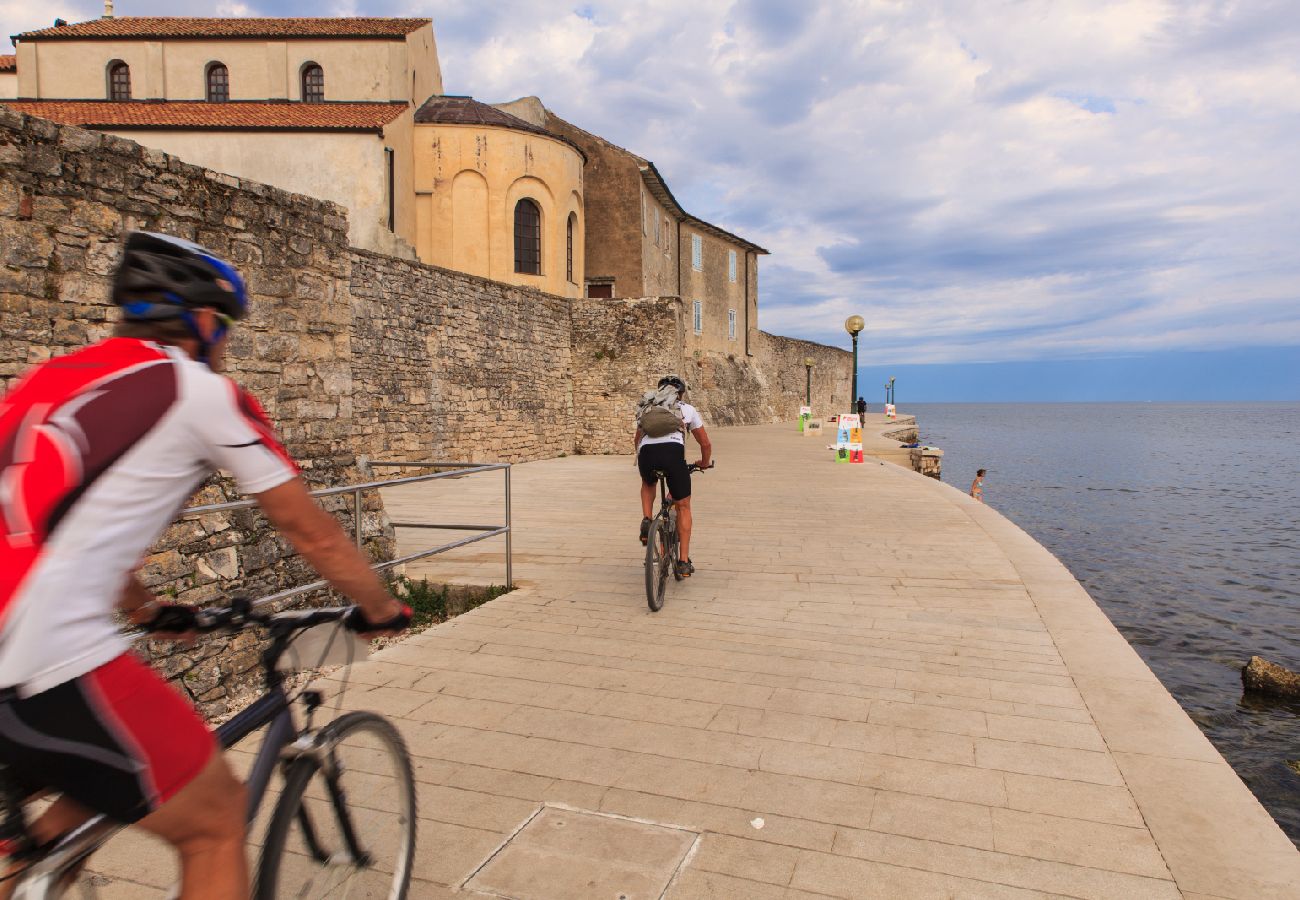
{"points": [[99, 450]]}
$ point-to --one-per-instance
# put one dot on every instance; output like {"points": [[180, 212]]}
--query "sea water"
{"points": [[1183, 522]]}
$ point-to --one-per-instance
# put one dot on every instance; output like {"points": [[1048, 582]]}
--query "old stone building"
{"points": [[322, 107], [498, 197], [648, 245]]}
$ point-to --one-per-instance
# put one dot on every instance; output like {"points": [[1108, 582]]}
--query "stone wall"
{"points": [[771, 385], [66, 197], [452, 367], [621, 348]]}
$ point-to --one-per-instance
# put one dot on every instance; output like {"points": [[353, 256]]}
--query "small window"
{"points": [[697, 252], [119, 80], [313, 84], [658, 233], [600, 290], [218, 88], [731, 324], [645, 216], [668, 236], [699, 316], [568, 256], [528, 238], [731, 265]]}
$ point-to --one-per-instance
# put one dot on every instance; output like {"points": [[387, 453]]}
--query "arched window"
{"points": [[119, 80], [572, 227], [313, 84], [528, 238], [218, 89]]}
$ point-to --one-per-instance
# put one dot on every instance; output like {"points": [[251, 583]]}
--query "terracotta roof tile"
{"points": [[186, 27], [451, 110], [8, 63], [195, 114]]}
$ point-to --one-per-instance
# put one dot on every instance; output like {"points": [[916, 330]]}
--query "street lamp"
{"points": [[853, 325], [891, 389], [808, 364]]}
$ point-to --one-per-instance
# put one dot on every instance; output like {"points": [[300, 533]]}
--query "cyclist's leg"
{"points": [[204, 821], [684, 528], [648, 483]]}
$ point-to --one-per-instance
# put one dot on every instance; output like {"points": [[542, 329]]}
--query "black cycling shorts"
{"points": [[671, 460]]}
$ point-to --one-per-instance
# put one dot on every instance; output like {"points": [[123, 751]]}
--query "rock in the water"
{"points": [[1269, 678]]}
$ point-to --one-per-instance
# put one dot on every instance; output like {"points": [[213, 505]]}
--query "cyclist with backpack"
{"points": [[663, 418]]}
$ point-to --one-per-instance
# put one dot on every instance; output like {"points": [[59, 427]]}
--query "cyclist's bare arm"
{"points": [[318, 536], [636, 440], [706, 448]]}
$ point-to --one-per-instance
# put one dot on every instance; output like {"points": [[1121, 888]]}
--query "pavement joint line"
{"points": [[808, 778], [460, 886]]}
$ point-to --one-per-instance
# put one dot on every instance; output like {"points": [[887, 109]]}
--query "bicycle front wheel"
{"points": [[658, 562], [344, 825]]}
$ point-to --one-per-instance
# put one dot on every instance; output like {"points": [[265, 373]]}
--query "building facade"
{"points": [[322, 107], [647, 245], [351, 110], [8, 76], [498, 197]]}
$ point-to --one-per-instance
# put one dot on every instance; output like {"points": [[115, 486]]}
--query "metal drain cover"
{"points": [[561, 854]]}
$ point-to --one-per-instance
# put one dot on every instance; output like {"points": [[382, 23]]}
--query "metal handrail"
{"points": [[458, 470]]}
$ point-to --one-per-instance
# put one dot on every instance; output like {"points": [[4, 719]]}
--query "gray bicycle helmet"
{"points": [[675, 380]]}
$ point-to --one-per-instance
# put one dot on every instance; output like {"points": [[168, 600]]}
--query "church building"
{"points": [[352, 110]]}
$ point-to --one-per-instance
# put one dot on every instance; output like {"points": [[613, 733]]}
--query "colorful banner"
{"points": [[849, 424], [805, 413]]}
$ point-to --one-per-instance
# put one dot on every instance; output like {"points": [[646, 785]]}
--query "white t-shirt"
{"points": [[690, 418]]}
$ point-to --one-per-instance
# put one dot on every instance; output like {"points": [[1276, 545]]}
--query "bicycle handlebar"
{"points": [[240, 614], [695, 467]]}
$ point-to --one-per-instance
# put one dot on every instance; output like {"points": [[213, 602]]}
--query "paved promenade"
{"points": [[873, 687]]}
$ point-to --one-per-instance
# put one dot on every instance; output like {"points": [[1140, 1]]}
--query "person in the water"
{"points": [[977, 486]]}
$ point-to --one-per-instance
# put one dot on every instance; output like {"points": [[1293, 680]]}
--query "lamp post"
{"points": [[853, 325], [891, 389], [808, 364]]}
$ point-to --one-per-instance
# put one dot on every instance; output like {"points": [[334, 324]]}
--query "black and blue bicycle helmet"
{"points": [[165, 277]]}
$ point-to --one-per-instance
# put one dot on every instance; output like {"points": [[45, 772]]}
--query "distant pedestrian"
{"points": [[977, 486], [862, 407]]}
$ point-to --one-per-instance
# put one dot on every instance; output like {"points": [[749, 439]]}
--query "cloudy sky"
{"points": [[1002, 181]]}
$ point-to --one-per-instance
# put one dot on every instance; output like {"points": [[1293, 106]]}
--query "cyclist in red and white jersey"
{"points": [[99, 450]]}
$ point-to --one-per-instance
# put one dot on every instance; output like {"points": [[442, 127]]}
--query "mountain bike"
{"points": [[662, 543], [344, 821]]}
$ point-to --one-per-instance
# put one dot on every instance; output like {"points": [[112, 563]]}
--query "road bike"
{"points": [[662, 544], [344, 821]]}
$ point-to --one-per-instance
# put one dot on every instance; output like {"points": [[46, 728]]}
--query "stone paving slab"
{"points": [[873, 687]]}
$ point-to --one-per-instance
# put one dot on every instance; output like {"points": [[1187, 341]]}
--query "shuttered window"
{"points": [[699, 316], [731, 265], [697, 252], [731, 324]]}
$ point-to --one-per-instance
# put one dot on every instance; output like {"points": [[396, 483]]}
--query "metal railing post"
{"points": [[509, 536], [356, 514]]}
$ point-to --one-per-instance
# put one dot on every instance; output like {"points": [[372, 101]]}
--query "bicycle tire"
{"points": [[657, 561], [289, 811]]}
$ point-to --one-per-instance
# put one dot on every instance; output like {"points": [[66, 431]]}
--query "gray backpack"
{"points": [[659, 413]]}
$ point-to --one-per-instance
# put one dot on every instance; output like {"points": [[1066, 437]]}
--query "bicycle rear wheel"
{"points": [[658, 562], [345, 821]]}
